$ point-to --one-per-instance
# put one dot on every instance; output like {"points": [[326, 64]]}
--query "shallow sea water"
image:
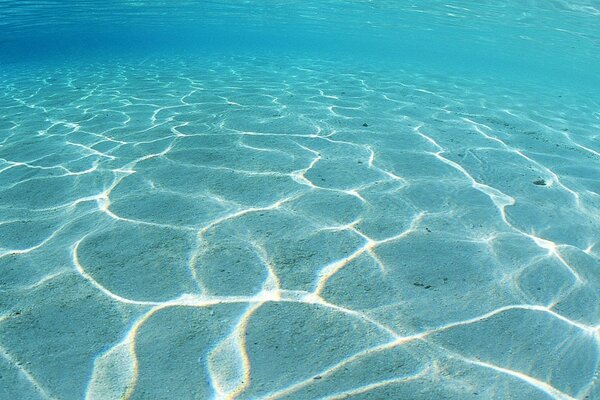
{"points": [[287, 224]]}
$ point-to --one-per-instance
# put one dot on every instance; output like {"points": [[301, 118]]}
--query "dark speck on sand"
{"points": [[540, 182], [419, 284]]}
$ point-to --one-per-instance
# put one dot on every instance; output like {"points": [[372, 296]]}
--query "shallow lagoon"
{"points": [[283, 225]]}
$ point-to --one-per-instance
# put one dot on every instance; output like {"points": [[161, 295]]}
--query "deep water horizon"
{"points": [[299, 200]]}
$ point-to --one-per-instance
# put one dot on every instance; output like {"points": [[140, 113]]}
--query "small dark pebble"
{"points": [[540, 182], [365, 124], [424, 286]]}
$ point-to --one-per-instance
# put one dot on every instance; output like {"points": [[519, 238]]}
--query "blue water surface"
{"points": [[319, 199]]}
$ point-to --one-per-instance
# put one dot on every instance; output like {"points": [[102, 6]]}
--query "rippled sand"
{"points": [[299, 229]]}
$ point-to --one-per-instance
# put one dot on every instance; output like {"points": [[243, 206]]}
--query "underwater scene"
{"points": [[300, 199]]}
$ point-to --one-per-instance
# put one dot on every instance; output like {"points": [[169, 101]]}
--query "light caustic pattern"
{"points": [[293, 229]]}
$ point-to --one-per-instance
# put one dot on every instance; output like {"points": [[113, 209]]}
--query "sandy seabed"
{"points": [[259, 228]]}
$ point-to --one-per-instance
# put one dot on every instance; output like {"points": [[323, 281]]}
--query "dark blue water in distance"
{"points": [[318, 199]]}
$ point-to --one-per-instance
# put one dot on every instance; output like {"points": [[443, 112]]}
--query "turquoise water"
{"points": [[299, 200]]}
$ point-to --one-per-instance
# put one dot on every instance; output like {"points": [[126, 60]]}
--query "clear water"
{"points": [[299, 199]]}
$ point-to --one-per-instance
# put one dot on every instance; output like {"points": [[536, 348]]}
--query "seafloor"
{"points": [[261, 228]]}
